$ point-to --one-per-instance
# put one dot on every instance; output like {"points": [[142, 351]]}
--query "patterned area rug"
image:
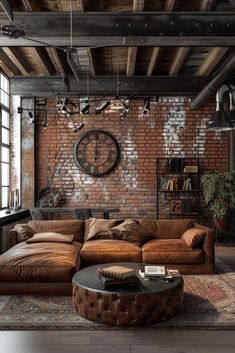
{"points": [[209, 303]]}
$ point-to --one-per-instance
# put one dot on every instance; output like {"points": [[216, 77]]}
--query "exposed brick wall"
{"points": [[170, 129]]}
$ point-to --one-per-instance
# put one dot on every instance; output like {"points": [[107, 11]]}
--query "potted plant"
{"points": [[219, 193]]}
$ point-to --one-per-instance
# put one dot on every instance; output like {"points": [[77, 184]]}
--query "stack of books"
{"points": [[158, 273], [153, 272], [116, 275]]}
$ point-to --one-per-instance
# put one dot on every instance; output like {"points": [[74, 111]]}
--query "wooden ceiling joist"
{"points": [[153, 60], [91, 56], [9, 63], [27, 5], [178, 61], [214, 57], [169, 4], [46, 61], [57, 60], [138, 5], [19, 59], [81, 5]]}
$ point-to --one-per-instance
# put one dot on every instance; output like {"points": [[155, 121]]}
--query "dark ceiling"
{"points": [[149, 47]]}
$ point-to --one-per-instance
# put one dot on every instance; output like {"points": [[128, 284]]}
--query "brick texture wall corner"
{"points": [[170, 129]]}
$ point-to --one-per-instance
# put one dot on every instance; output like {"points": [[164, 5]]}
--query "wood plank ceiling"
{"points": [[42, 61]]}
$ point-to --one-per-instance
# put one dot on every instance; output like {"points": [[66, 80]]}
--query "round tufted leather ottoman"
{"points": [[152, 301]]}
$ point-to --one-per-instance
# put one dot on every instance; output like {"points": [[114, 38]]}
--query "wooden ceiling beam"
{"points": [[153, 60], [56, 59], [208, 65], [27, 5], [169, 4], [46, 61], [91, 56], [138, 5], [178, 61], [19, 59], [207, 5], [81, 5], [9, 63]]}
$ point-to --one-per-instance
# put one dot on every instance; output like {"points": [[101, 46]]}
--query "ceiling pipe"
{"points": [[214, 84]]}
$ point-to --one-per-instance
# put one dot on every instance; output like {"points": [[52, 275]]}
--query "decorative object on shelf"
{"points": [[191, 169], [96, 152], [176, 206], [219, 193]]}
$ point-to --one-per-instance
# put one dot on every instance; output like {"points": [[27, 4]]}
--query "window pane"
{"points": [[4, 98], [5, 136], [5, 154], [5, 118], [5, 174], [4, 196], [4, 83]]}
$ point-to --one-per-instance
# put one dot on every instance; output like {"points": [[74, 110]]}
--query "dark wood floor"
{"points": [[125, 341]]}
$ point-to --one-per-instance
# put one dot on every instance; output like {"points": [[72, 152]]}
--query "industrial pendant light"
{"points": [[220, 120], [231, 112]]}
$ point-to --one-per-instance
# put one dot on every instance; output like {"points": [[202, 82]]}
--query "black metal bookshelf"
{"points": [[178, 188]]}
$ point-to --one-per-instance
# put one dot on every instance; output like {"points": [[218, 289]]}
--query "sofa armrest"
{"points": [[208, 244], [12, 238]]}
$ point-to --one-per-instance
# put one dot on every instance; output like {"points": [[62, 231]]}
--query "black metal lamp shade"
{"points": [[231, 116], [220, 121]]}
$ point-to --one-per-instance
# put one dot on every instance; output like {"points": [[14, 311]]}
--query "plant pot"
{"points": [[222, 224]]}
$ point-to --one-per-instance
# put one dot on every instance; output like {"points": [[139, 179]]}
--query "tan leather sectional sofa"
{"points": [[48, 267]]}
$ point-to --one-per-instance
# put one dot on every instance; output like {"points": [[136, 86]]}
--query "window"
{"points": [[4, 141]]}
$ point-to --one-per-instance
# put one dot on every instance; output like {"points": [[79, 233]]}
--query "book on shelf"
{"points": [[187, 185], [117, 272], [154, 271], [111, 282]]}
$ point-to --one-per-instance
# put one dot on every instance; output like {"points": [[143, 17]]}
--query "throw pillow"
{"points": [[50, 237], [193, 237], [132, 232], [99, 228], [23, 232]]}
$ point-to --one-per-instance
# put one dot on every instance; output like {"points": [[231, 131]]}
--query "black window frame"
{"points": [[2, 144]]}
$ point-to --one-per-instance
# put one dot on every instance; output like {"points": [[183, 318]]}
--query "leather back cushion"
{"points": [[99, 228], [166, 229], [74, 227]]}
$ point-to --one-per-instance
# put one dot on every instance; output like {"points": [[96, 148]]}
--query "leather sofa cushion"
{"points": [[170, 251], [193, 237], [96, 228], [131, 231], [46, 262], [163, 229], [103, 251], [75, 227], [23, 232], [50, 237]]}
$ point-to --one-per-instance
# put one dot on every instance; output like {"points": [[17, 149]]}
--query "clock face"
{"points": [[96, 152]]}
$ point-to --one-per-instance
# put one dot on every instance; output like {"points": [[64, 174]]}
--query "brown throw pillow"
{"points": [[23, 232], [99, 228], [132, 232], [50, 237], [193, 237]]}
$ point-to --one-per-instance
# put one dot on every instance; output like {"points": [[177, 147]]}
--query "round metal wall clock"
{"points": [[96, 152]]}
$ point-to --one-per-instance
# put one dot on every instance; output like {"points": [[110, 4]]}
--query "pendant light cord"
{"points": [[71, 25]]}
